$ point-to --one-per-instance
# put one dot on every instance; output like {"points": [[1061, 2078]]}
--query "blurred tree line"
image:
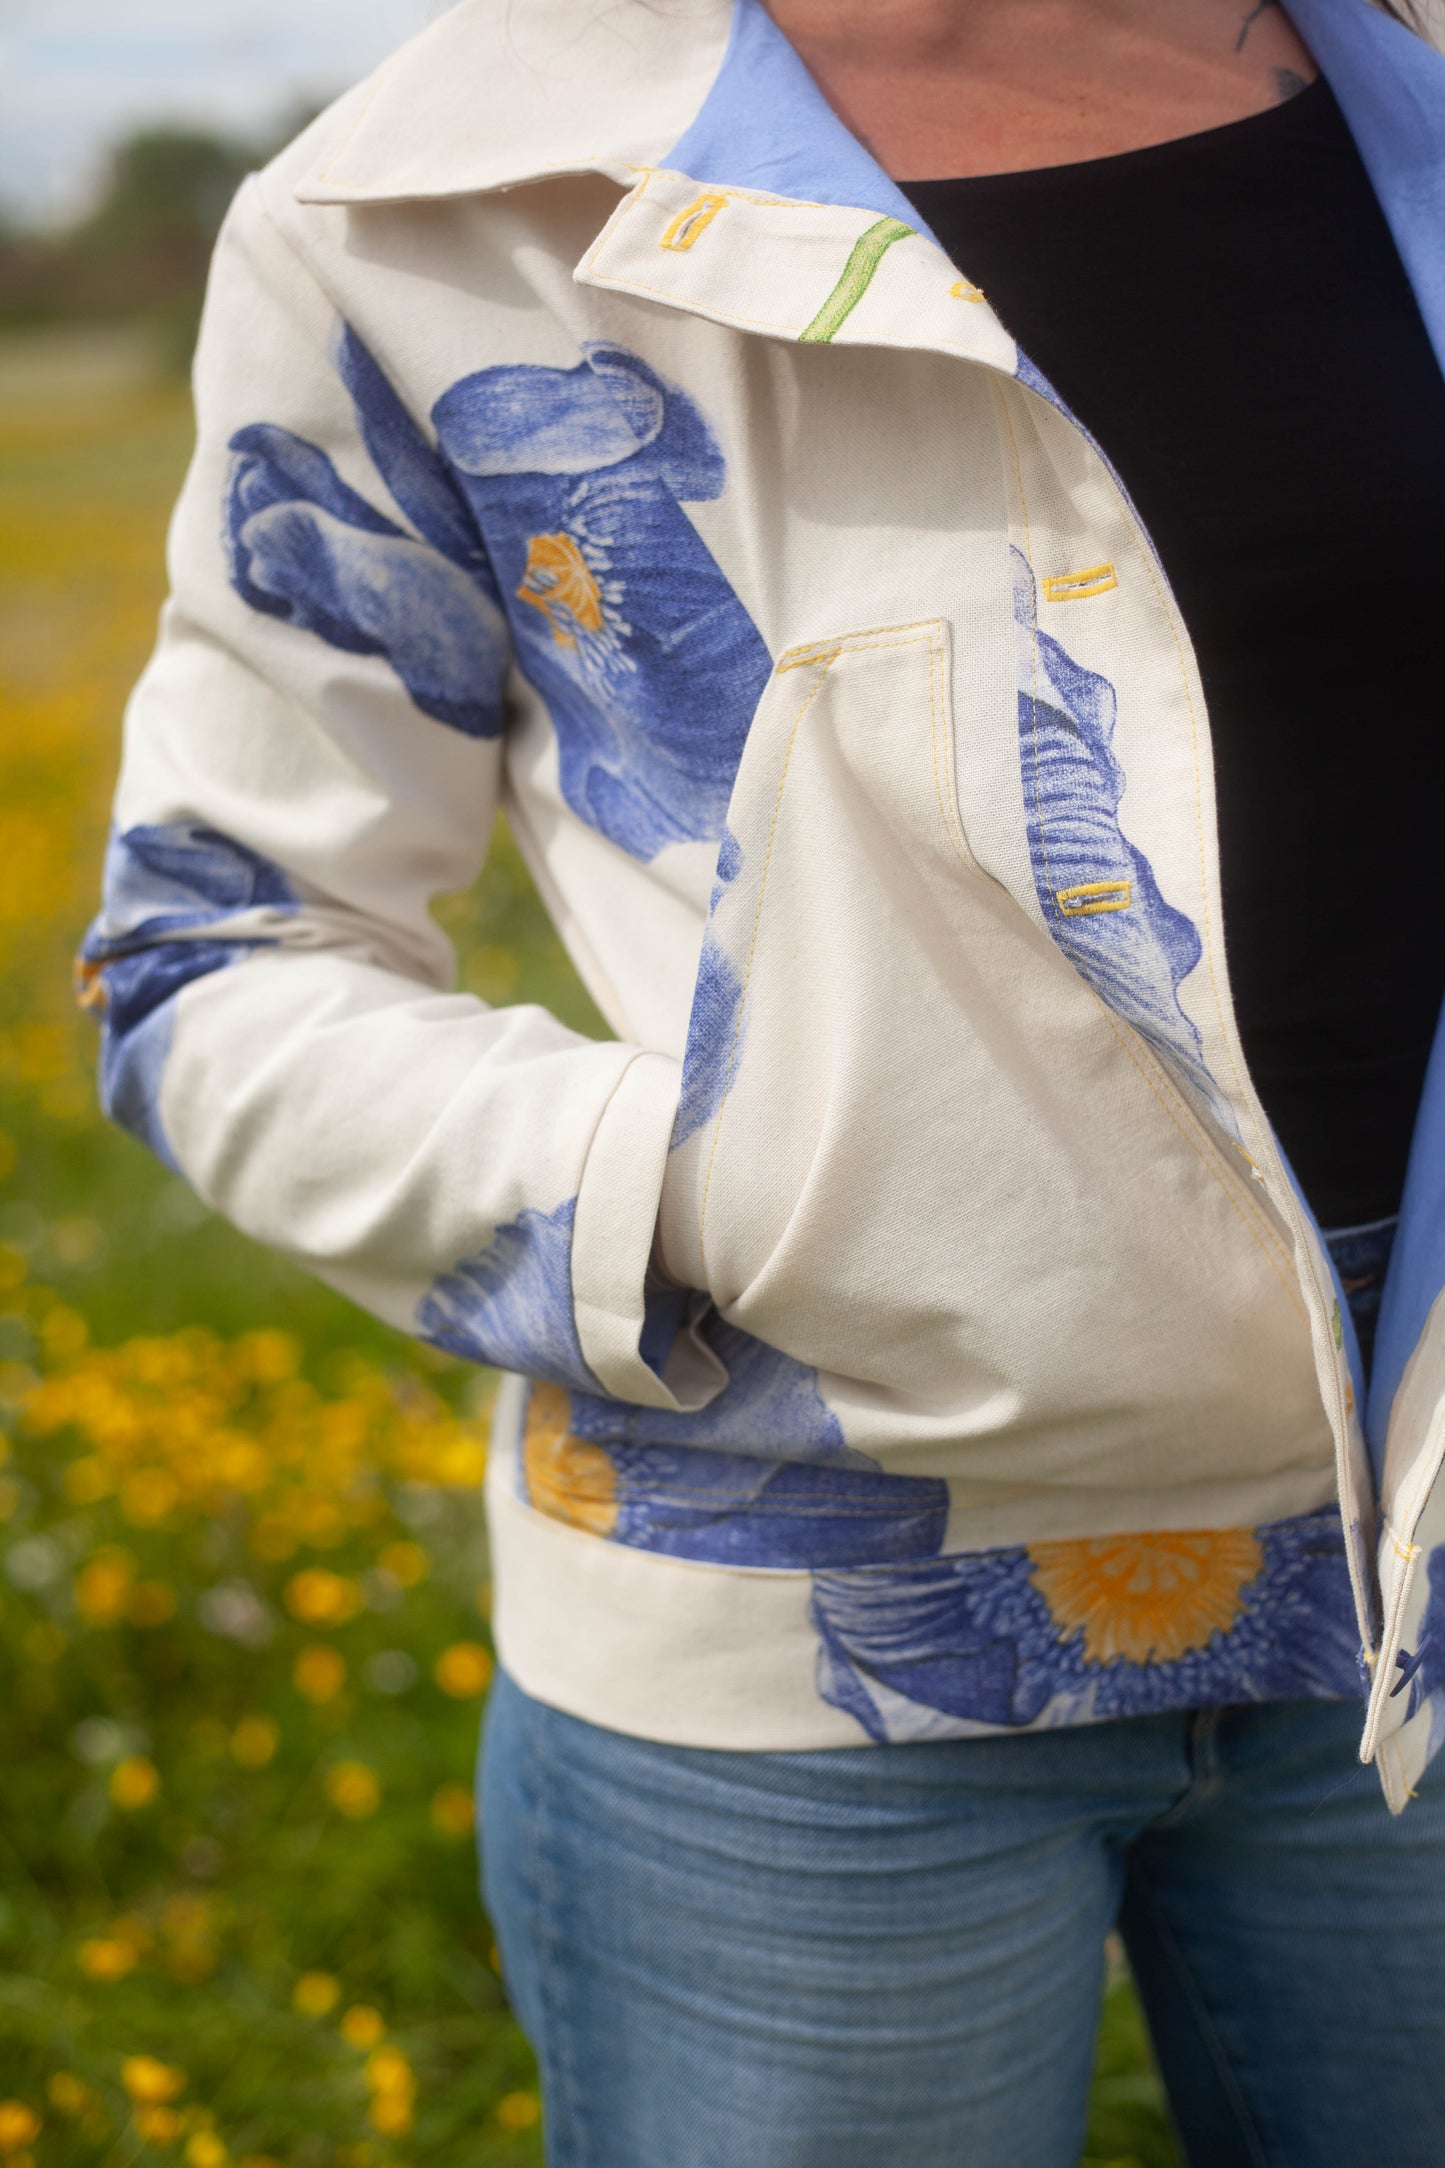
{"points": [[142, 252]]}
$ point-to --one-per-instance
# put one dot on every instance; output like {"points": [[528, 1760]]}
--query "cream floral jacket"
{"points": [[913, 1328]]}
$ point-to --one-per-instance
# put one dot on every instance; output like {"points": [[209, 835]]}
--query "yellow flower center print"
{"points": [[1148, 1598], [567, 1479], [89, 980], [558, 583]]}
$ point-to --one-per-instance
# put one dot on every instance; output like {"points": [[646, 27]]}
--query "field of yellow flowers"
{"points": [[243, 1587]]}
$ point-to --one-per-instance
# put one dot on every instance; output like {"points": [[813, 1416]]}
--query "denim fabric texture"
{"points": [[837, 1959], [1361, 1257]]}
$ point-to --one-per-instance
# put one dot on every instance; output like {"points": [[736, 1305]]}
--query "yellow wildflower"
{"points": [[388, 2071], [87, 1480], [19, 2125], [268, 1357], [405, 1562], [162, 2126], [149, 2081], [319, 1597], [64, 1333], [107, 1958], [463, 1670], [363, 2027], [393, 2092], [519, 2111], [134, 1782], [353, 1789], [71, 2095], [319, 1673], [453, 1810], [463, 1462], [148, 1495], [321, 1521], [103, 1585], [239, 1462], [316, 1994], [391, 2114], [205, 2150], [255, 1740]]}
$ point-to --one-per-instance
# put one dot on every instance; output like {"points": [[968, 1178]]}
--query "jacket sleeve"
{"points": [[312, 755]]}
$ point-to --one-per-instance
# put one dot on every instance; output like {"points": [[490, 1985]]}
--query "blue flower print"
{"points": [[714, 1031], [305, 547], [551, 505], [585, 1463], [511, 1305], [768, 1396], [649, 664], [1100, 900], [1421, 1670], [161, 884], [161, 879], [709, 1485], [1089, 1628]]}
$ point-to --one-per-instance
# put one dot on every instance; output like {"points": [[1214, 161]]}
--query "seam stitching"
{"points": [[1203, 2016], [827, 661]]}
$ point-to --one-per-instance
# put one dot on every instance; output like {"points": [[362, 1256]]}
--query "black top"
{"points": [[1229, 318]]}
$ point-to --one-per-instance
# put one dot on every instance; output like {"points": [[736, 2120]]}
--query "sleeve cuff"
{"points": [[612, 1239]]}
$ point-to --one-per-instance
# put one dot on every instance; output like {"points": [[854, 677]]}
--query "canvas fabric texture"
{"points": [[912, 1328]]}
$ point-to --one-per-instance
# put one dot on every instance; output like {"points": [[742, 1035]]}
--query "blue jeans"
{"points": [[893, 1954]]}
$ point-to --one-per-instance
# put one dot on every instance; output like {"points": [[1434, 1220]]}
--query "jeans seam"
{"points": [[1209, 2031], [567, 2145]]}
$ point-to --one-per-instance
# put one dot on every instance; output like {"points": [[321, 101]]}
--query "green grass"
{"points": [[242, 1564]]}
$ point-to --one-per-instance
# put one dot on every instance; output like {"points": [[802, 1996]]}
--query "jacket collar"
{"points": [[498, 92], [766, 126], [1390, 84]]}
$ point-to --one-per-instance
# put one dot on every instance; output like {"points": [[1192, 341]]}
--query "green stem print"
{"points": [[867, 253]]}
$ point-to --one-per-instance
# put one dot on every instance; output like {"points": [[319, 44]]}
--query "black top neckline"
{"points": [[1228, 316]]}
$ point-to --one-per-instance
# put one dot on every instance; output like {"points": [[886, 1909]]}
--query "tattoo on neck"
{"points": [[1287, 84], [1261, 8]]}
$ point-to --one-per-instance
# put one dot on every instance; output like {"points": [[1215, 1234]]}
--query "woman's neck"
{"points": [[960, 87]]}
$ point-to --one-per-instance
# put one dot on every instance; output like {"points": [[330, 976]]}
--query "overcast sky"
{"points": [[75, 74]]}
